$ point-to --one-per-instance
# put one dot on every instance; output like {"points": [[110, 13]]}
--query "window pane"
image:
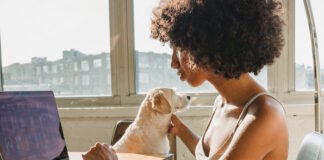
{"points": [[152, 60], [303, 49], [60, 45]]}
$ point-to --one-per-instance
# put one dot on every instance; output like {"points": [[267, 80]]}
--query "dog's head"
{"points": [[166, 100]]}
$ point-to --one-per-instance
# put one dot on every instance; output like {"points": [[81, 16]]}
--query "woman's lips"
{"points": [[181, 75]]}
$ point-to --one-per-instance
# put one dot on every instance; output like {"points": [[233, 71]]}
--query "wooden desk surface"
{"points": [[128, 156]]}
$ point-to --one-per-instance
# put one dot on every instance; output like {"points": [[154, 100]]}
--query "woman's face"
{"points": [[187, 69]]}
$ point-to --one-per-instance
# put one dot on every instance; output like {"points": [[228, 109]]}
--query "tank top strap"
{"points": [[216, 102], [246, 106], [269, 94]]}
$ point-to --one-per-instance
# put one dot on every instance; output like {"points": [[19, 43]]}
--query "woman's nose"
{"points": [[175, 64]]}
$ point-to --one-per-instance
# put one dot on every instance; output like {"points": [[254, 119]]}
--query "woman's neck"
{"points": [[236, 91]]}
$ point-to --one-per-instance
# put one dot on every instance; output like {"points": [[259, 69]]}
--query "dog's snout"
{"points": [[188, 97]]}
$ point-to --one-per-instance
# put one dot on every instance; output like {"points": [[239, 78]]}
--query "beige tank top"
{"points": [[199, 151]]}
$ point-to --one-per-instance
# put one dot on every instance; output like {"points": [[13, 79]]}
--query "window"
{"points": [[85, 66], [54, 68], [62, 80], [38, 70], [55, 81], [153, 60], [304, 71], [75, 66], [97, 63], [45, 69], [85, 80], [61, 67], [46, 40]]}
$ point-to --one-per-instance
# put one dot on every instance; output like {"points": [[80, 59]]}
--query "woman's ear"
{"points": [[160, 104]]}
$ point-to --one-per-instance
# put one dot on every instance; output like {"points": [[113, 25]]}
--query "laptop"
{"points": [[30, 127]]}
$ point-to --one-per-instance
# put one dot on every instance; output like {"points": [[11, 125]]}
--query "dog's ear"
{"points": [[160, 104]]}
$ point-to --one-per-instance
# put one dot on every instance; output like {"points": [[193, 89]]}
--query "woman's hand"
{"points": [[176, 125], [189, 138], [100, 152]]}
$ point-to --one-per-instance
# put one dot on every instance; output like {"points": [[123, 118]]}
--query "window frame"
{"points": [[291, 95], [123, 92]]}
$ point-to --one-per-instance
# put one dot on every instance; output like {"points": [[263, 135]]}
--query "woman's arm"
{"points": [[189, 138]]}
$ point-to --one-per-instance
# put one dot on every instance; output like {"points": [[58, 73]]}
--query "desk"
{"points": [[128, 156]]}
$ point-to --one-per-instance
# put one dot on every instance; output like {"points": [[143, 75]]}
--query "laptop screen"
{"points": [[30, 127]]}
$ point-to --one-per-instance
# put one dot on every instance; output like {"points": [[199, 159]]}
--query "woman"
{"points": [[221, 41]]}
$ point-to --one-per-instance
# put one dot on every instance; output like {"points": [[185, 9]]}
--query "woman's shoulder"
{"points": [[269, 114], [267, 106], [264, 128]]}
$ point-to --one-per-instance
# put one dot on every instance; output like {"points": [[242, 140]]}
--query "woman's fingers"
{"points": [[90, 155], [105, 145], [175, 125], [100, 152]]}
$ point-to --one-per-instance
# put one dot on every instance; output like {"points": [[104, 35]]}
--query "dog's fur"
{"points": [[148, 133]]}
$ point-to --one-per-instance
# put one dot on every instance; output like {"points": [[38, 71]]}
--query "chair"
{"points": [[312, 147], [121, 127]]}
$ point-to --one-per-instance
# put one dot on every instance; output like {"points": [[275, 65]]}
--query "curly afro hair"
{"points": [[228, 37]]}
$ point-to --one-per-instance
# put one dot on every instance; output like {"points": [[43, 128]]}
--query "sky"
{"points": [[44, 28]]}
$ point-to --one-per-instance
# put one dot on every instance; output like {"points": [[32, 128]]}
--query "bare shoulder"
{"points": [[269, 118], [266, 109], [262, 133], [269, 115]]}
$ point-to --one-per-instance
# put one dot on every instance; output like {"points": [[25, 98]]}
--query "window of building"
{"points": [[54, 68], [55, 81], [84, 66], [45, 69], [85, 80], [304, 71], [75, 66], [76, 80], [61, 67], [38, 70], [62, 80], [153, 59], [97, 63], [50, 36]]}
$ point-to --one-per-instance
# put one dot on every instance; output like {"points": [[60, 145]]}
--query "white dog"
{"points": [[148, 133]]}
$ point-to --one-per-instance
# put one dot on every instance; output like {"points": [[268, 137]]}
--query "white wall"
{"points": [[83, 127]]}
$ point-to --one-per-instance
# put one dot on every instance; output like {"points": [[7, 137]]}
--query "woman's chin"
{"points": [[191, 82], [194, 83]]}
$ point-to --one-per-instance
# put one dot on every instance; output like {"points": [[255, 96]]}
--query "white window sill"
{"points": [[194, 111]]}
